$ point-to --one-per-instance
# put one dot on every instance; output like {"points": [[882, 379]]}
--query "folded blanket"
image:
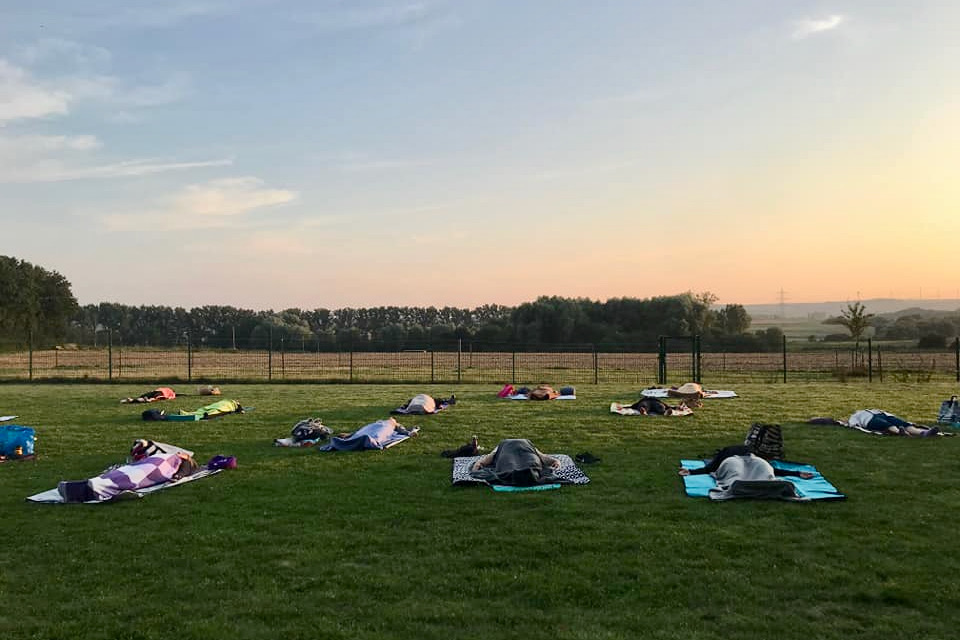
{"points": [[568, 473], [523, 396], [381, 434], [707, 393], [52, 496], [815, 488], [625, 410]]}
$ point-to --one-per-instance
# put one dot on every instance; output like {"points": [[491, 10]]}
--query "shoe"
{"points": [[453, 399], [586, 458]]}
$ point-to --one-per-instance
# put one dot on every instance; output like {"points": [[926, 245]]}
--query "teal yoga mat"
{"points": [[816, 488]]}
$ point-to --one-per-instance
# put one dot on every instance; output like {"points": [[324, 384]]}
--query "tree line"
{"points": [[39, 306]]}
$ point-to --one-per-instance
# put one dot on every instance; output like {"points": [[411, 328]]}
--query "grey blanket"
{"points": [[750, 477]]}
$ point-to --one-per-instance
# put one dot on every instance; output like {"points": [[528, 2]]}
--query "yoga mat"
{"points": [[816, 488]]}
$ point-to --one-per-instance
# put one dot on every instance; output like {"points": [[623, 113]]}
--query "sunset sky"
{"points": [[274, 154]]}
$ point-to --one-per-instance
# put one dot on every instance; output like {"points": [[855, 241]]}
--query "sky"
{"points": [[331, 153]]}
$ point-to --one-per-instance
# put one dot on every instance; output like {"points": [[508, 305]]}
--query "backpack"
{"points": [[765, 441], [16, 441], [310, 429], [949, 411]]}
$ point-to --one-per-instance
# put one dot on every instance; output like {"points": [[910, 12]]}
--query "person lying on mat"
{"points": [[149, 464], [655, 407], [739, 461], [160, 393], [883, 422], [425, 404], [516, 461]]}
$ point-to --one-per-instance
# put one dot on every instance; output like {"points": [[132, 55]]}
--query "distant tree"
{"points": [[731, 320], [35, 302], [855, 318]]}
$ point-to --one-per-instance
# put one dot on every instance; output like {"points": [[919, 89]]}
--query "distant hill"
{"points": [[822, 310]]}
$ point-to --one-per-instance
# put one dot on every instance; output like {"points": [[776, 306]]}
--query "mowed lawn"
{"points": [[297, 544]]}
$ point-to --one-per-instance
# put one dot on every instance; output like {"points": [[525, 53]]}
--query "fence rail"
{"points": [[475, 363]]}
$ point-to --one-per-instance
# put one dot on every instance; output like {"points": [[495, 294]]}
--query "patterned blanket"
{"points": [[568, 473], [52, 496]]}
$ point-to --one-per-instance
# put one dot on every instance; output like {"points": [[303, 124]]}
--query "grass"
{"points": [[378, 545]]}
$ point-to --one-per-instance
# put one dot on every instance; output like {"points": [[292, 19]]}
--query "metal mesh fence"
{"points": [[472, 362]]}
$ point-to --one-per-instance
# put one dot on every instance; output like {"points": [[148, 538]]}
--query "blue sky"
{"points": [[272, 154]]}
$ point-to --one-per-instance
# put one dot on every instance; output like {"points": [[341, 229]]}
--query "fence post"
{"points": [[30, 350], [351, 362], [879, 364], [110, 354], [459, 355], [596, 367], [189, 356], [661, 360], [956, 353], [431, 362], [784, 338], [283, 360], [270, 355], [513, 375], [697, 372], [869, 359]]}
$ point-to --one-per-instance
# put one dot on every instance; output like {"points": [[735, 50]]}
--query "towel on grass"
{"points": [[707, 393], [381, 434], [625, 410], [524, 396], [6, 418], [568, 473], [815, 488]]}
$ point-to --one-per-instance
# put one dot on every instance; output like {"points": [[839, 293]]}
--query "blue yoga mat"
{"points": [[513, 489], [816, 488]]}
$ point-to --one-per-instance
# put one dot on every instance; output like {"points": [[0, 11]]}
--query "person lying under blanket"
{"points": [[516, 462], [381, 434], [738, 463], [423, 404], [150, 463], [160, 393]]}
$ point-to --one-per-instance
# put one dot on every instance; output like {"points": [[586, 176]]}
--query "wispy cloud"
{"points": [[23, 96], [57, 170], [21, 147], [813, 26], [213, 204]]}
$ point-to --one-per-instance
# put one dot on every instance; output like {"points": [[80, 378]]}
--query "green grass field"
{"points": [[378, 545]]}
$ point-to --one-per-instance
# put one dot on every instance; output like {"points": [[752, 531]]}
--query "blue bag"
{"points": [[16, 441]]}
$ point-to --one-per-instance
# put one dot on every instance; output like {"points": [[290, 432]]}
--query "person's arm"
{"points": [[548, 461], [806, 475], [485, 461]]}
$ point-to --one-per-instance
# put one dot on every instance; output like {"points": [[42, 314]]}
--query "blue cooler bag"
{"points": [[16, 441]]}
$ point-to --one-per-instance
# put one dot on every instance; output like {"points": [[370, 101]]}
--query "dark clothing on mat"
{"points": [[516, 462]]}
